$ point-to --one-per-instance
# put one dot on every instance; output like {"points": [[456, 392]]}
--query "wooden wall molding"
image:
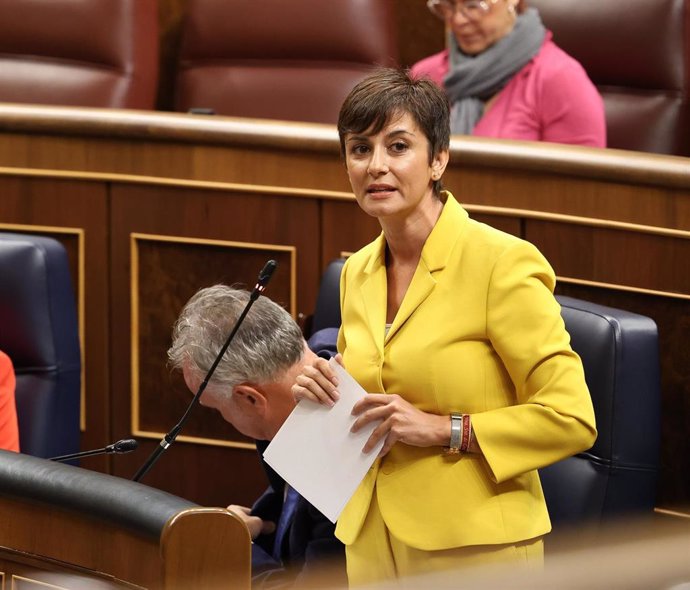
{"points": [[136, 392], [626, 288], [161, 126], [466, 151], [577, 220], [178, 183]]}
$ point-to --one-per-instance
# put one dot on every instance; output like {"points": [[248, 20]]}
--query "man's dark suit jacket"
{"points": [[311, 544]]}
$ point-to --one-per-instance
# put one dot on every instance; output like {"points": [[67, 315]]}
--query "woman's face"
{"points": [[389, 171], [475, 36]]}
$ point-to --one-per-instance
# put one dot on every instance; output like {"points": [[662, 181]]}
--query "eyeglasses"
{"points": [[471, 9]]}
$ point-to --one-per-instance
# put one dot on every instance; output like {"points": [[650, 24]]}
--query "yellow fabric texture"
{"points": [[479, 333], [377, 556]]}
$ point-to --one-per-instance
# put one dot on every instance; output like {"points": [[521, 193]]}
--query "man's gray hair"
{"points": [[267, 344]]}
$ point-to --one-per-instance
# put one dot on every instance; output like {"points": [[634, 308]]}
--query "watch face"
{"points": [[455, 432]]}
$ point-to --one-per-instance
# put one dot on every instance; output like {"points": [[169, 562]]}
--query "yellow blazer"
{"points": [[478, 332]]}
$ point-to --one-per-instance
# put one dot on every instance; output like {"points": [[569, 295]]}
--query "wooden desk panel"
{"points": [[75, 213], [166, 243]]}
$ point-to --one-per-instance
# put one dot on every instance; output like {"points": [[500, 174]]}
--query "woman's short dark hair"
{"points": [[521, 6], [389, 92]]}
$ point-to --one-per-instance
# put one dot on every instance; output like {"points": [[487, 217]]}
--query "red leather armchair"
{"points": [[98, 53], [638, 54], [277, 59]]}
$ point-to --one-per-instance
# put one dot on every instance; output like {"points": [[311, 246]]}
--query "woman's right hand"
{"points": [[317, 382]]}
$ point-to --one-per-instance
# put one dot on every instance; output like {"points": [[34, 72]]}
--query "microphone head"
{"points": [[125, 446], [266, 273]]}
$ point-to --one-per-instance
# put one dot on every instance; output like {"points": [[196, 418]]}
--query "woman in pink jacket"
{"points": [[505, 77]]}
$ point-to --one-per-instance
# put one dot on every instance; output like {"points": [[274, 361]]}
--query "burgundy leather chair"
{"points": [[94, 53], [278, 59], [638, 54]]}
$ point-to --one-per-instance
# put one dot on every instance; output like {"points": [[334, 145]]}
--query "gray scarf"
{"points": [[473, 79]]}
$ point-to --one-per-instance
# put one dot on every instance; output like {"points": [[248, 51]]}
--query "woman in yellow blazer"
{"points": [[452, 327]]}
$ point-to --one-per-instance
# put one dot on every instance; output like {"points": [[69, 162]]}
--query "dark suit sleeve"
{"points": [[324, 342], [314, 554], [313, 545], [264, 566], [268, 506]]}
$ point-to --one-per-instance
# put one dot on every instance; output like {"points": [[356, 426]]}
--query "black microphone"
{"points": [[126, 445], [264, 276]]}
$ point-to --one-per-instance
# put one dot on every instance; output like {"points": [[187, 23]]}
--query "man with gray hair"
{"points": [[251, 388]]}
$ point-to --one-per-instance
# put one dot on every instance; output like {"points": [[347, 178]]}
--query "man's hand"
{"points": [[255, 525], [317, 382]]}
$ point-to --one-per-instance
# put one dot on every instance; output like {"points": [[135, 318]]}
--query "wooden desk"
{"points": [[80, 529]]}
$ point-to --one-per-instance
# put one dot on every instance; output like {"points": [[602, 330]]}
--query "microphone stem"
{"points": [[150, 462], [80, 455]]}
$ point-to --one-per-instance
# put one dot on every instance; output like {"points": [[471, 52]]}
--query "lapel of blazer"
{"points": [[373, 292], [435, 254]]}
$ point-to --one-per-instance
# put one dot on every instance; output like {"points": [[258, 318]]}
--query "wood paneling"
{"points": [[612, 255], [185, 239], [345, 229], [58, 208], [420, 34], [168, 272]]}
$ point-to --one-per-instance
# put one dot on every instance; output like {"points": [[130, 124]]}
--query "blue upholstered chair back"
{"points": [[618, 475], [619, 351], [39, 332]]}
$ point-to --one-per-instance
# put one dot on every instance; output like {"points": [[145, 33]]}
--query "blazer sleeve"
{"points": [[553, 417], [343, 281]]}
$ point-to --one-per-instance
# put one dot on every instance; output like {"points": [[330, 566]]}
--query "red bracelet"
{"points": [[466, 433]]}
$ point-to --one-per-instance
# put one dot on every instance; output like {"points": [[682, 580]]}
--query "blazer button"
{"points": [[388, 467]]}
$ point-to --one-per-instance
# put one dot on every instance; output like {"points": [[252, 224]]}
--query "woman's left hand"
{"points": [[400, 421]]}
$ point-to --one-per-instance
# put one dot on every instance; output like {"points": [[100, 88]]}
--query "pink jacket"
{"points": [[550, 99]]}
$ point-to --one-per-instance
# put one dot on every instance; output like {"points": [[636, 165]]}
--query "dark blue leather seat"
{"points": [[619, 351], [39, 332], [618, 475]]}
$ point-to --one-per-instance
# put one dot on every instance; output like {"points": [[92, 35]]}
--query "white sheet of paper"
{"points": [[315, 452]]}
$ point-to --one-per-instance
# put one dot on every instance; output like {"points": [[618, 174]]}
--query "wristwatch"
{"points": [[455, 434]]}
